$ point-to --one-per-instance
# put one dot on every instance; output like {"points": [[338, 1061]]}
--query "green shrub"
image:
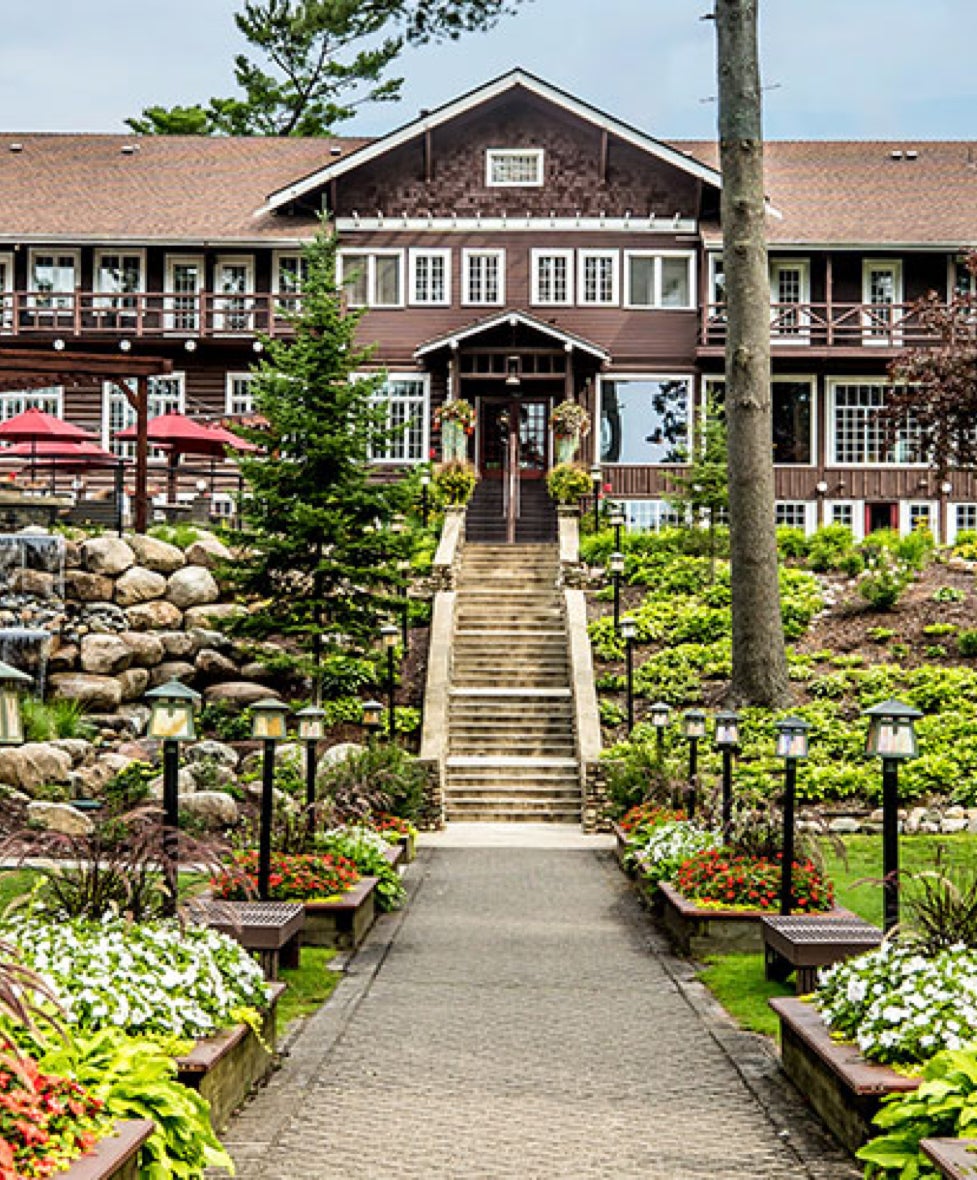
{"points": [[46, 721], [225, 721], [568, 483], [830, 547], [965, 545], [935, 630], [880, 634], [885, 580], [948, 594], [967, 643], [792, 543]]}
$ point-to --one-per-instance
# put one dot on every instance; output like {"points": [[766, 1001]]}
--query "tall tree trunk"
{"points": [[759, 659]]}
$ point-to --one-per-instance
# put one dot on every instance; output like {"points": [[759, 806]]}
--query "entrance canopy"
{"points": [[513, 320]]}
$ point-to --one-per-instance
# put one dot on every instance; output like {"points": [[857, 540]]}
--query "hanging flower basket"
{"points": [[570, 420], [457, 410]]}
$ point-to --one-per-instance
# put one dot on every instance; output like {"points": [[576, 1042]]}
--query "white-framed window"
{"points": [[793, 414], [841, 512], [963, 519], [793, 514], [514, 167], [552, 277], [49, 398], [643, 516], [598, 278], [645, 419], [233, 283], [881, 293], [119, 276], [920, 515], [372, 278], [288, 273], [483, 279], [856, 435], [405, 399], [960, 279], [239, 394], [663, 279], [790, 298], [184, 286], [430, 277], [6, 290], [53, 276], [166, 394], [223, 504]]}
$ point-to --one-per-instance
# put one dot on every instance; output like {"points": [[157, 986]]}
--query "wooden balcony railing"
{"points": [[829, 325], [157, 313]]}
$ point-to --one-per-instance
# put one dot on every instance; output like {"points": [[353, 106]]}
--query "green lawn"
{"points": [[309, 985], [738, 984]]}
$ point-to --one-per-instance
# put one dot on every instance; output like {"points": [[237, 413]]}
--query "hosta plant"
{"points": [[293, 878], [727, 878], [366, 849], [900, 1006]]}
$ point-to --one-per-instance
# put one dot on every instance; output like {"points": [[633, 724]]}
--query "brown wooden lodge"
{"points": [[514, 247]]}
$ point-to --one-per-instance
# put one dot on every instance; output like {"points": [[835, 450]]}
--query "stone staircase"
{"points": [[511, 747]]}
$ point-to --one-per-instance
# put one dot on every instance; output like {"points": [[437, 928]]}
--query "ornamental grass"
{"points": [[722, 877], [293, 878]]}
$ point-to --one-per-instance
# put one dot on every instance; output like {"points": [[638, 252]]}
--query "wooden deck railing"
{"points": [[829, 325]]}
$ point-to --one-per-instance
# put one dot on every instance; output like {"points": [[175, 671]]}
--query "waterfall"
{"points": [[23, 644], [26, 648]]}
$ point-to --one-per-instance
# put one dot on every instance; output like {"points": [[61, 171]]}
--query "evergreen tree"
{"points": [[317, 560]]}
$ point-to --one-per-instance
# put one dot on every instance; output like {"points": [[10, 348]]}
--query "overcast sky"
{"points": [[835, 69]]}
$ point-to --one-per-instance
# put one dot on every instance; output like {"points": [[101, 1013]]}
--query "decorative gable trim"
{"points": [[512, 319]]}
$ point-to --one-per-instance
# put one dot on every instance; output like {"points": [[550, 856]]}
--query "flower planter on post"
{"points": [[567, 446], [454, 444], [116, 1157]]}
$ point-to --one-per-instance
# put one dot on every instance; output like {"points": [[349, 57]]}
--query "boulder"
{"points": [[134, 716], [215, 808], [844, 825], [139, 584], [59, 817], [107, 555], [34, 765], [37, 583], [185, 785], [206, 616], [72, 555], [171, 670], [214, 666], [147, 649], [178, 645], [154, 616], [78, 749], [205, 637], [207, 551], [211, 776], [157, 555], [133, 683], [256, 671], [85, 587], [210, 750], [194, 585], [98, 694], [88, 782], [104, 655], [338, 753], [238, 692], [955, 823], [142, 750], [62, 656], [114, 762]]}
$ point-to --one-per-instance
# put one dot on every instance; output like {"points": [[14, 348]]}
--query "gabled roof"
{"points": [[512, 319], [515, 79]]}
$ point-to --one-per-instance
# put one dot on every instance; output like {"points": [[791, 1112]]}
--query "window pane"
{"points": [[792, 515], [644, 421], [641, 281], [387, 280], [675, 282], [403, 400], [356, 279], [791, 422], [552, 275]]}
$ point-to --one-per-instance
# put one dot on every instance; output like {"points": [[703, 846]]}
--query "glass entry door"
{"points": [[497, 417]]}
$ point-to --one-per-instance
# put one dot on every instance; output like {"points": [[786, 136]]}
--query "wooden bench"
{"points": [[805, 942], [271, 929], [96, 512], [956, 1159]]}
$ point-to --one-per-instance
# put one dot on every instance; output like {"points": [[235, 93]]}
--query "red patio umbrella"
{"points": [[184, 436], [39, 424], [62, 454]]}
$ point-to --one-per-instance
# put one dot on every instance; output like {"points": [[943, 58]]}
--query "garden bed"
{"points": [[843, 1087], [116, 1157], [956, 1159], [342, 923], [699, 931], [396, 856], [223, 1068]]}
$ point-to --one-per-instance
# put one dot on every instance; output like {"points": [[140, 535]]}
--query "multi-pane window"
{"points": [[184, 282], [789, 293], [552, 276], [859, 436], [239, 395], [16, 401], [118, 277], [842, 514], [373, 278], [430, 277], [658, 280], [234, 281], [791, 514], [920, 517], [53, 278], [649, 515], [405, 401], [881, 291], [514, 167], [645, 419], [598, 281], [484, 279], [963, 278], [6, 287], [288, 278], [965, 517], [166, 394]]}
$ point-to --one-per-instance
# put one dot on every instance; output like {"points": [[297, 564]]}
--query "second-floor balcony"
{"points": [[839, 326], [157, 313]]}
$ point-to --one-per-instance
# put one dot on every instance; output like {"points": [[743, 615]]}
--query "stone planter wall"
{"points": [[343, 923]]}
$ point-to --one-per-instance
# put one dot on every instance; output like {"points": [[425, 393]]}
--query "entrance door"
{"points": [[496, 418], [881, 516]]}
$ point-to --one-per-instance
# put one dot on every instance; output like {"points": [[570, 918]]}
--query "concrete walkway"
{"points": [[522, 1019]]}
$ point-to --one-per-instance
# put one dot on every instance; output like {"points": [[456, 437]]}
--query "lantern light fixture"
{"points": [[389, 634], [660, 715], [11, 720], [311, 724], [171, 716], [268, 720], [694, 724], [792, 739], [892, 731], [629, 628], [727, 729]]}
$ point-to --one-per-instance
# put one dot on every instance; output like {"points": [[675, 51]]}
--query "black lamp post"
{"points": [[312, 730], [389, 636], [171, 721], [425, 484], [727, 739], [693, 730], [268, 726], [617, 522], [372, 717], [403, 568], [629, 628], [596, 477], [791, 746], [659, 715], [891, 737], [616, 566]]}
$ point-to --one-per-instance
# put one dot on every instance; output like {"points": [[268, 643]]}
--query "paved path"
{"points": [[522, 1020]]}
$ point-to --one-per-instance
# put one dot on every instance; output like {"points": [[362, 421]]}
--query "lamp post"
{"points": [[891, 737], [617, 521], [11, 721], [171, 721], [312, 729], [403, 568], [693, 729], [727, 739], [616, 566], [372, 713], [268, 726], [660, 715], [389, 636], [425, 484], [629, 628], [596, 475], [791, 746]]}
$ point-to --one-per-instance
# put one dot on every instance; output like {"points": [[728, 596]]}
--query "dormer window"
{"points": [[514, 167]]}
